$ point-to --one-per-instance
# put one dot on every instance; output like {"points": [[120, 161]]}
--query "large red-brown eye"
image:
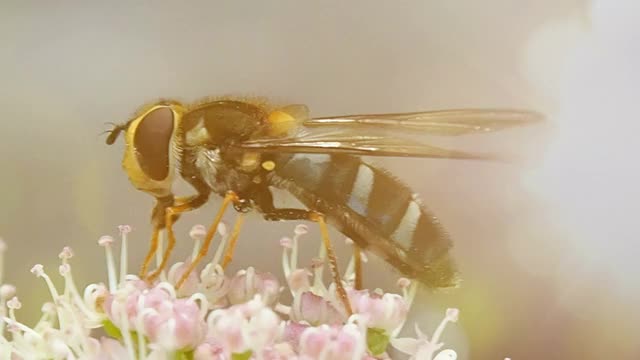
{"points": [[152, 141]]}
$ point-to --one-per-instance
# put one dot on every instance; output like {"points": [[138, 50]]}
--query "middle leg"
{"points": [[300, 214], [231, 197], [171, 215]]}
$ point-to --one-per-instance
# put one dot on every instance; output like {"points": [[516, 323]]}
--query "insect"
{"points": [[241, 149]]}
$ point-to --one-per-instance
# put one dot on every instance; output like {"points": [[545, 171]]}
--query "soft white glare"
{"points": [[590, 174]]}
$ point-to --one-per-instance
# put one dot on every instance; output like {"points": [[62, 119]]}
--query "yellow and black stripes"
{"points": [[380, 212]]}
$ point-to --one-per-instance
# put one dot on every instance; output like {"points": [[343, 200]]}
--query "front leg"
{"points": [[230, 198], [169, 215], [158, 222]]}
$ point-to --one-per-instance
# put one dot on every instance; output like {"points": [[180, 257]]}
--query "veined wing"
{"points": [[441, 122], [354, 143], [385, 134]]}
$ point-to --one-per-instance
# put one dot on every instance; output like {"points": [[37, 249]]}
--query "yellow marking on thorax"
{"points": [[268, 165], [281, 122]]}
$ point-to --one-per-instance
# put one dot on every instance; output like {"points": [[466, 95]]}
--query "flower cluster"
{"points": [[248, 315]]}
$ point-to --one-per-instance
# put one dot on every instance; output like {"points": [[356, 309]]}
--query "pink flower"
{"points": [[299, 280], [292, 333], [158, 322], [177, 324], [282, 351], [210, 351], [247, 327], [387, 312], [226, 327], [335, 343], [110, 349], [315, 310], [246, 284], [215, 286], [129, 297], [190, 285]]}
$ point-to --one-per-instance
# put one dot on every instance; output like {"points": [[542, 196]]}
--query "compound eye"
{"points": [[152, 142]]}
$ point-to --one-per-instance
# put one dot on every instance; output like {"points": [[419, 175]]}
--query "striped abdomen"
{"points": [[373, 208]]}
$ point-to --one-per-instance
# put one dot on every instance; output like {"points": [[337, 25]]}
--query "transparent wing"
{"points": [[442, 122], [390, 134], [349, 142]]}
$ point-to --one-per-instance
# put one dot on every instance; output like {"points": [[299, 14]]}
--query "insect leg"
{"points": [[158, 220], [357, 258], [299, 214], [152, 251], [231, 197], [228, 254], [171, 215], [331, 255], [286, 214], [265, 202]]}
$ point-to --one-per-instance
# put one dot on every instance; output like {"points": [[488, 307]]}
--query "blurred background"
{"points": [[547, 248]]}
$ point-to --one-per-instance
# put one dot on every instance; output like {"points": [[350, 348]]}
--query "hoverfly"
{"points": [[241, 149]]}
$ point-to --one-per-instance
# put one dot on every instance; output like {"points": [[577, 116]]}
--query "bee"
{"points": [[242, 149]]}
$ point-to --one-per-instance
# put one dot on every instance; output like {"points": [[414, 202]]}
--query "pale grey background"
{"points": [[68, 67]]}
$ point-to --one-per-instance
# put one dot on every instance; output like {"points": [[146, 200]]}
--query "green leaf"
{"points": [[241, 356], [184, 355], [111, 330], [377, 341]]}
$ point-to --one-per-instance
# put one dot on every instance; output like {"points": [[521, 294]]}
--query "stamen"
{"points": [[300, 230], [451, 316], [286, 244], [197, 233], [349, 273], [124, 231], [38, 270], [168, 288], [6, 292], [65, 254], [13, 305], [77, 330], [71, 291], [318, 272], [139, 325], [106, 241], [224, 236], [48, 314], [119, 310], [203, 303], [403, 283], [21, 326], [250, 279], [92, 294]]}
